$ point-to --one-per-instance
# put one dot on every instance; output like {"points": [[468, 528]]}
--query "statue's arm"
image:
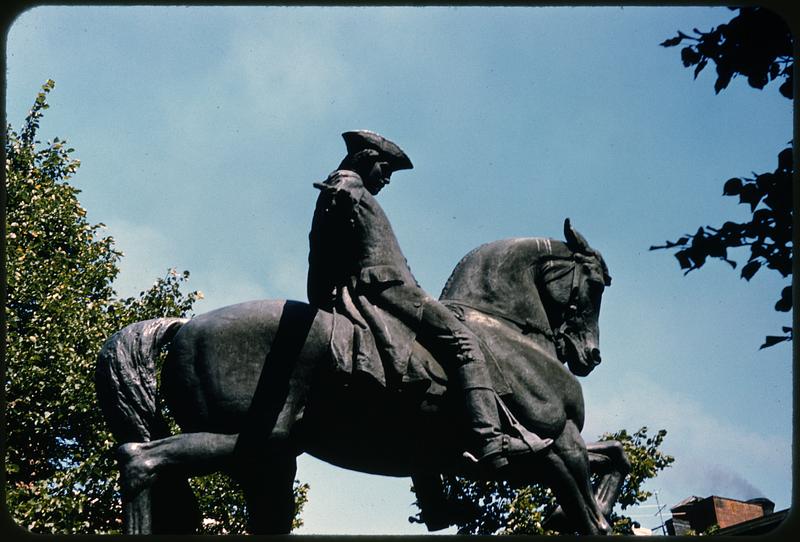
{"points": [[333, 216]]}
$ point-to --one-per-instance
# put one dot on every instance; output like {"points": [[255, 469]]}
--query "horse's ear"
{"points": [[575, 241]]}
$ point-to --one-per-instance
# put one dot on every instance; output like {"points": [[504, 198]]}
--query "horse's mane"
{"points": [[501, 277], [461, 263], [538, 246]]}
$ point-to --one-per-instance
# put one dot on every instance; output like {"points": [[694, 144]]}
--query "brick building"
{"points": [[698, 514]]}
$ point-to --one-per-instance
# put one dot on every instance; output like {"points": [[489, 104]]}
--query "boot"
{"points": [[495, 447]]}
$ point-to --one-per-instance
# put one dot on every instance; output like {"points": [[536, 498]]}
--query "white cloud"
{"points": [[286, 279], [713, 455], [289, 73], [149, 253]]}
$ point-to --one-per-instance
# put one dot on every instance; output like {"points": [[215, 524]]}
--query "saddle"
{"points": [[423, 371]]}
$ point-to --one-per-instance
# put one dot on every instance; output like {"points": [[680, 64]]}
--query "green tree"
{"points": [[756, 44], [507, 510], [60, 306]]}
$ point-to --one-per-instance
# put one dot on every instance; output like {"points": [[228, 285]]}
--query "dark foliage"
{"points": [[756, 44]]}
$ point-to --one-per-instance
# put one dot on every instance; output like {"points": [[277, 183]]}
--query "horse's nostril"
{"points": [[596, 356]]}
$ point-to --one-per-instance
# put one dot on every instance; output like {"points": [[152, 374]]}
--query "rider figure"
{"points": [[356, 267]]}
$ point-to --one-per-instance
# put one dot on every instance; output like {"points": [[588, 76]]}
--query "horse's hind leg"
{"points": [[143, 463]]}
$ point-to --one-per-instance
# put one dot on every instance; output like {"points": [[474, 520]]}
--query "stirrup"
{"points": [[494, 461], [500, 449]]}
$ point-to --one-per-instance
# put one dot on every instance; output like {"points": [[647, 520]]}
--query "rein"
{"points": [[527, 327], [570, 308]]}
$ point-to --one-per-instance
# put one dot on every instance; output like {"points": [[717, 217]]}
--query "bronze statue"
{"points": [[356, 267], [374, 375]]}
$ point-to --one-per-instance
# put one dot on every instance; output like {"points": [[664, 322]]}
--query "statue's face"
{"points": [[378, 176]]}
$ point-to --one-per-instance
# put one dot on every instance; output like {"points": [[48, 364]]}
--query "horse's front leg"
{"points": [[141, 463]]}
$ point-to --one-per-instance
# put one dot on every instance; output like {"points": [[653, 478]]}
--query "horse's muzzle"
{"points": [[594, 356]]}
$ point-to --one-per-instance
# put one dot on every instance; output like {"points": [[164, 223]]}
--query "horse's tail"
{"points": [[125, 379]]}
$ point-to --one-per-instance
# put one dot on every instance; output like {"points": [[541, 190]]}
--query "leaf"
{"points": [[785, 160], [672, 42], [772, 340], [774, 70], [699, 67], [784, 304], [724, 76], [751, 195], [683, 260], [689, 56], [757, 80], [750, 269], [732, 187], [787, 89]]}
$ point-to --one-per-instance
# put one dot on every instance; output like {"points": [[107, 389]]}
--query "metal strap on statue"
{"points": [[527, 327], [569, 310]]}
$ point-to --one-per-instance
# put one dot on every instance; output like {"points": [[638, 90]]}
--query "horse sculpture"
{"points": [[231, 374]]}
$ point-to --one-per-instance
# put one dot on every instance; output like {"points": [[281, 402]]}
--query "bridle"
{"points": [[570, 308], [527, 326]]}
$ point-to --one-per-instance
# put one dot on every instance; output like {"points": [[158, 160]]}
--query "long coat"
{"points": [[356, 268]]}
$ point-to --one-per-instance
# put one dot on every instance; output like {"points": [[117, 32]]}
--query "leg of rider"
{"points": [[466, 366]]}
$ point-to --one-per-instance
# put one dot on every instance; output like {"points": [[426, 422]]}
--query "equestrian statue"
{"points": [[372, 374]]}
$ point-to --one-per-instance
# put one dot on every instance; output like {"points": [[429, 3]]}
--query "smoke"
{"points": [[726, 483]]}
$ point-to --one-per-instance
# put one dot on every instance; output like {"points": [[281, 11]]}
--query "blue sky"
{"points": [[201, 129]]}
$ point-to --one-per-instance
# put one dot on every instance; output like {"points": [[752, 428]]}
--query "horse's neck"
{"points": [[499, 279]]}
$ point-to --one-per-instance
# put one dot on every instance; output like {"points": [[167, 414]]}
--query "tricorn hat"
{"points": [[364, 139]]}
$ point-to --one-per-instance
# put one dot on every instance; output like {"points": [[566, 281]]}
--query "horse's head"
{"points": [[547, 289], [571, 284]]}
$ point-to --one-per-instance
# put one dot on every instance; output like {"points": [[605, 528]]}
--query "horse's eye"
{"points": [[595, 286]]}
